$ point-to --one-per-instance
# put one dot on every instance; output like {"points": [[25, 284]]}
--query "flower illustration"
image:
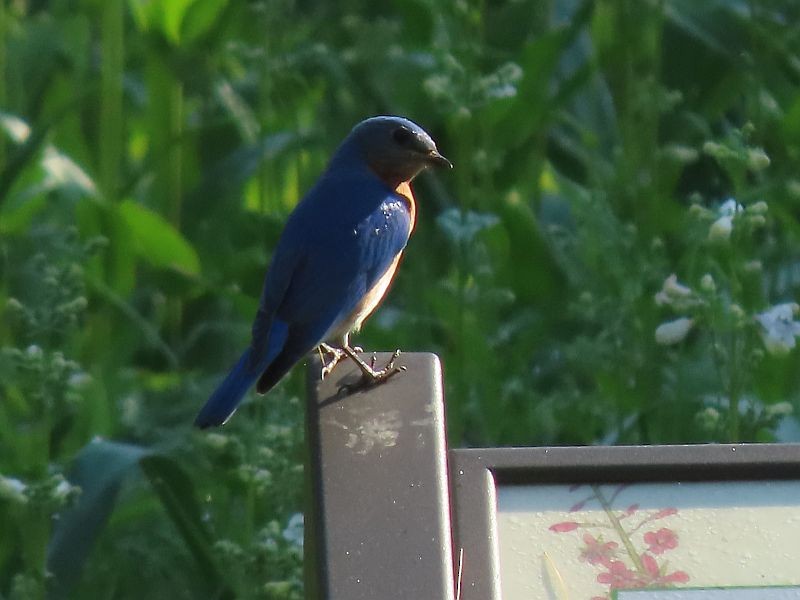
{"points": [[657, 578], [597, 552], [564, 527], [622, 562], [660, 541], [666, 512], [619, 576]]}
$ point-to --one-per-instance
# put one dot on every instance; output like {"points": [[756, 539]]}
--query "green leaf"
{"points": [[168, 16], [176, 492], [158, 242], [99, 471], [172, 13], [201, 17]]}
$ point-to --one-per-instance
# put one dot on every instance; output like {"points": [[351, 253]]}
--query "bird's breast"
{"points": [[372, 298], [404, 189]]}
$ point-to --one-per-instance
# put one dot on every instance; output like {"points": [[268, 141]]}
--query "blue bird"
{"points": [[334, 260]]}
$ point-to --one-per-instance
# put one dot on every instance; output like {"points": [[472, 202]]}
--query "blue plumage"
{"points": [[334, 259]]}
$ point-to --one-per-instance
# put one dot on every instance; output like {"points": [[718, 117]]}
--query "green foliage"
{"points": [[614, 258]]}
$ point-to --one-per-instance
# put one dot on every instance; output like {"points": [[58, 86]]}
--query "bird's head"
{"points": [[395, 148]]}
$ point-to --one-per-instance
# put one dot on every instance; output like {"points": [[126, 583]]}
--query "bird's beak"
{"points": [[437, 159]]}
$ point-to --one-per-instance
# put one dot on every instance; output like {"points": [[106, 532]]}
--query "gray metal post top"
{"points": [[379, 524]]}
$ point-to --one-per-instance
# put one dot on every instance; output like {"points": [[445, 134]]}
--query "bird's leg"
{"points": [[336, 356], [368, 372]]}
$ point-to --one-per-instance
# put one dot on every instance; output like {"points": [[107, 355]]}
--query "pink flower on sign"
{"points": [[597, 552], [564, 527], [619, 576], [660, 541], [624, 563], [667, 512], [657, 577]]}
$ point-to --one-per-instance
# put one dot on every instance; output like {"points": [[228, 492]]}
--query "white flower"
{"points": [[34, 351], [12, 489], [779, 409], [294, 530], [720, 230], [672, 291], [757, 159], [673, 332], [64, 490], [729, 208], [778, 328]]}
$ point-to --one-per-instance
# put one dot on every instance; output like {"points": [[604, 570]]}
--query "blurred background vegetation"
{"points": [[614, 258]]}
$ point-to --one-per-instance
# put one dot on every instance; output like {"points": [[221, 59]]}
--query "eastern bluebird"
{"points": [[334, 260]]}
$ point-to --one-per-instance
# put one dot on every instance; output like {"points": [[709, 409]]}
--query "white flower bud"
{"points": [[757, 159], [779, 409], [778, 328], [737, 311], [34, 351], [730, 208], [753, 266], [12, 489], [675, 294], [720, 230], [673, 332]]}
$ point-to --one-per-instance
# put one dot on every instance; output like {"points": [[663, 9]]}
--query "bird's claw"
{"points": [[387, 371], [370, 376], [337, 356]]}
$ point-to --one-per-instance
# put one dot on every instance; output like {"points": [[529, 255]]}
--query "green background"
{"points": [[150, 151]]}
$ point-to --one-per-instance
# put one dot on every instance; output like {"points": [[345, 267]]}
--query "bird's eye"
{"points": [[402, 135]]}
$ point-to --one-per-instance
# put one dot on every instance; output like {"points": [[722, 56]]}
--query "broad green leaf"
{"points": [[168, 16], [201, 17], [158, 242], [176, 492], [20, 211], [99, 471], [172, 14], [117, 265]]}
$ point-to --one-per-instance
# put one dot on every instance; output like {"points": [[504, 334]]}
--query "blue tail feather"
{"points": [[226, 398], [223, 402]]}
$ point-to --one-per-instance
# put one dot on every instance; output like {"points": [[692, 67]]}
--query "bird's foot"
{"points": [[336, 356], [371, 376], [387, 371]]}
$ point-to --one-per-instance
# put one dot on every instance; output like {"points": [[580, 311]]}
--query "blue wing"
{"points": [[337, 243], [349, 240]]}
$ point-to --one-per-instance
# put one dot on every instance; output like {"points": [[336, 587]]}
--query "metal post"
{"points": [[378, 524]]}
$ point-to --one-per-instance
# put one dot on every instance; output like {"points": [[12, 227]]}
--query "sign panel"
{"points": [[710, 522], [755, 593], [588, 541]]}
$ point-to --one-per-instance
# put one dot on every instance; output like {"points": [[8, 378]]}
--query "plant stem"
{"points": [[111, 133], [623, 535], [3, 75]]}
